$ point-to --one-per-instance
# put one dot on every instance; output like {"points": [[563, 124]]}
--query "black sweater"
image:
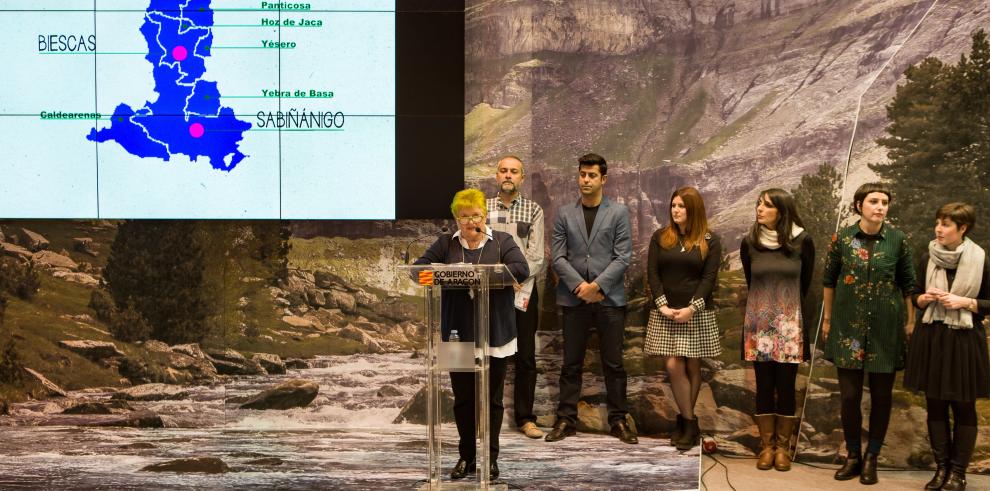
{"points": [[683, 276], [457, 306]]}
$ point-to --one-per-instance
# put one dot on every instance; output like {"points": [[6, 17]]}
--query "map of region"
{"points": [[199, 109], [187, 117]]}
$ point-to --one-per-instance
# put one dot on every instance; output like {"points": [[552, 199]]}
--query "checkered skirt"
{"points": [[698, 338]]}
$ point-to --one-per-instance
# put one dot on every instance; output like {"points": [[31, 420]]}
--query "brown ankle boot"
{"points": [[766, 424], [782, 455]]}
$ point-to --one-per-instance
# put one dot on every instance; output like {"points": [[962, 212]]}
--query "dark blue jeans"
{"points": [[610, 324]]}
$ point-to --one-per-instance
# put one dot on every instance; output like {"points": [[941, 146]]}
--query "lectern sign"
{"points": [[449, 276]]}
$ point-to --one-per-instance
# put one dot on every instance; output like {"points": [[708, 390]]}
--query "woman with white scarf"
{"points": [[778, 259], [947, 355]]}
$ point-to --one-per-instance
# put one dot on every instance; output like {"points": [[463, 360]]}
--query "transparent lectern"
{"points": [[445, 356]]}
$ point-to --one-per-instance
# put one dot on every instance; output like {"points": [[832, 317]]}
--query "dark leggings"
{"points": [[963, 412], [881, 400], [775, 379]]}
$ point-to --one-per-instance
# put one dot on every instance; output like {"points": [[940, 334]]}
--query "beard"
{"points": [[508, 187]]}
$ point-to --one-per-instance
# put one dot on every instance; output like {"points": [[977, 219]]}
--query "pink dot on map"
{"points": [[179, 53], [196, 130]]}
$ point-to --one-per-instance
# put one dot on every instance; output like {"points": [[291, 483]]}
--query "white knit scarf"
{"points": [[768, 237], [967, 260]]}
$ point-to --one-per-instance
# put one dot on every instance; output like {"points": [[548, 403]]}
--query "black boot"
{"points": [[963, 441], [938, 437], [851, 468], [678, 430], [691, 435], [869, 472]]}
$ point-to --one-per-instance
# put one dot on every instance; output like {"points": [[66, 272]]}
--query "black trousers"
{"points": [[525, 358], [775, 379], [465, 415], [578, 323]]}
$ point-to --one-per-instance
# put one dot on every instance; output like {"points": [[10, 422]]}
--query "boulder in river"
{"points": [[272, 363], [206, 465], [113, 406], [297, 364], [135, 419], [293, 393], [152, 392], [245, 367], [414, 411]]}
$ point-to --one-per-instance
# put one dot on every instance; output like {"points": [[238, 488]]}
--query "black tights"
{"points": [[963, 412], [775, 379], [881, 400]]}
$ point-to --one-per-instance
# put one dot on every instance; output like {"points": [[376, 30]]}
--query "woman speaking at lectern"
{"points": [[475, 243]]}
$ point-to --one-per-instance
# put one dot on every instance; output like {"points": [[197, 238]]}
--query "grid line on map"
{"points": [[96, 108]]}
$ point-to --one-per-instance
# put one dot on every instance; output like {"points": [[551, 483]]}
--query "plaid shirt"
{"points": [[523, 219]]}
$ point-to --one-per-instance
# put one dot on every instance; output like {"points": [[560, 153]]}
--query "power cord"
{"points": [[717, 463]]}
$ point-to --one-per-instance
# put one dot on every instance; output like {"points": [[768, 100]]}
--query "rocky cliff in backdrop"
{"points": [[730, 96]]}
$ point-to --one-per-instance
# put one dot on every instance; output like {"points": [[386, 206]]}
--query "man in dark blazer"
{"points": [[591, 250]]}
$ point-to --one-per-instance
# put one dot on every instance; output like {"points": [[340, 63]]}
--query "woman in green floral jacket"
{"points": [[869, 278]]}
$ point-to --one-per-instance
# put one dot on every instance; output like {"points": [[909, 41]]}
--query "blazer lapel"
{"points": [[582, 224]]}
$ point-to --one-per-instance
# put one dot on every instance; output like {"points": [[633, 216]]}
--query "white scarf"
{"points": [[768, 237], [967, 260]]}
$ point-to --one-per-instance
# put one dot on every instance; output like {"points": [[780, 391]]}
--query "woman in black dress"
{"points": [[947, 355]]}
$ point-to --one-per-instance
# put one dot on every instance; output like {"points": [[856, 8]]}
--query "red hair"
{"points": [[697, 222]]}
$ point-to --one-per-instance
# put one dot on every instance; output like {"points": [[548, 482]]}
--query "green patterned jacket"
{"points": [[868, 311]]}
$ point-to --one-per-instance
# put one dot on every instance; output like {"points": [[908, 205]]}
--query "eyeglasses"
{"points": [[470, 219]]}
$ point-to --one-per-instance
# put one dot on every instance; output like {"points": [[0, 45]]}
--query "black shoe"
{"points": [[561, 429], [956, 481], [622, 431], [493, 471], [851, 468], [691, 435], [938, 437], [869, 472], [462, 469]]}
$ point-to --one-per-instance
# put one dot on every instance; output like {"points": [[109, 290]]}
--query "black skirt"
{"points": [[948, 364]]}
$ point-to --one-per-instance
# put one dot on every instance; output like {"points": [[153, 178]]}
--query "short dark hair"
{"points": [[871, 187], [593, 159], [960, 213]]}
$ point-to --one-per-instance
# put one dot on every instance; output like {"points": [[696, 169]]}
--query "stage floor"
{"points": [[744, 476]]}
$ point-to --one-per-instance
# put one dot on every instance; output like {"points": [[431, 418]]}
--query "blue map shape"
{"points": [[162, 128]]}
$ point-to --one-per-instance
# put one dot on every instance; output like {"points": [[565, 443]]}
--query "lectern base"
{"points": [[466, 485]]}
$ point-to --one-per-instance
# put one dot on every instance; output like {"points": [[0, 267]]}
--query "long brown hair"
{"points": [[697, 222]]}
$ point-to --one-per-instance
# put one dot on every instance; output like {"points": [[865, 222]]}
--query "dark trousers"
{"points": [[463, 384], [610, 323], [525, 358], [881, 402], [775, 379]]}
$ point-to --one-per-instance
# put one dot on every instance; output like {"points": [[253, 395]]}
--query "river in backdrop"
{"points": [[345, 439]]}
